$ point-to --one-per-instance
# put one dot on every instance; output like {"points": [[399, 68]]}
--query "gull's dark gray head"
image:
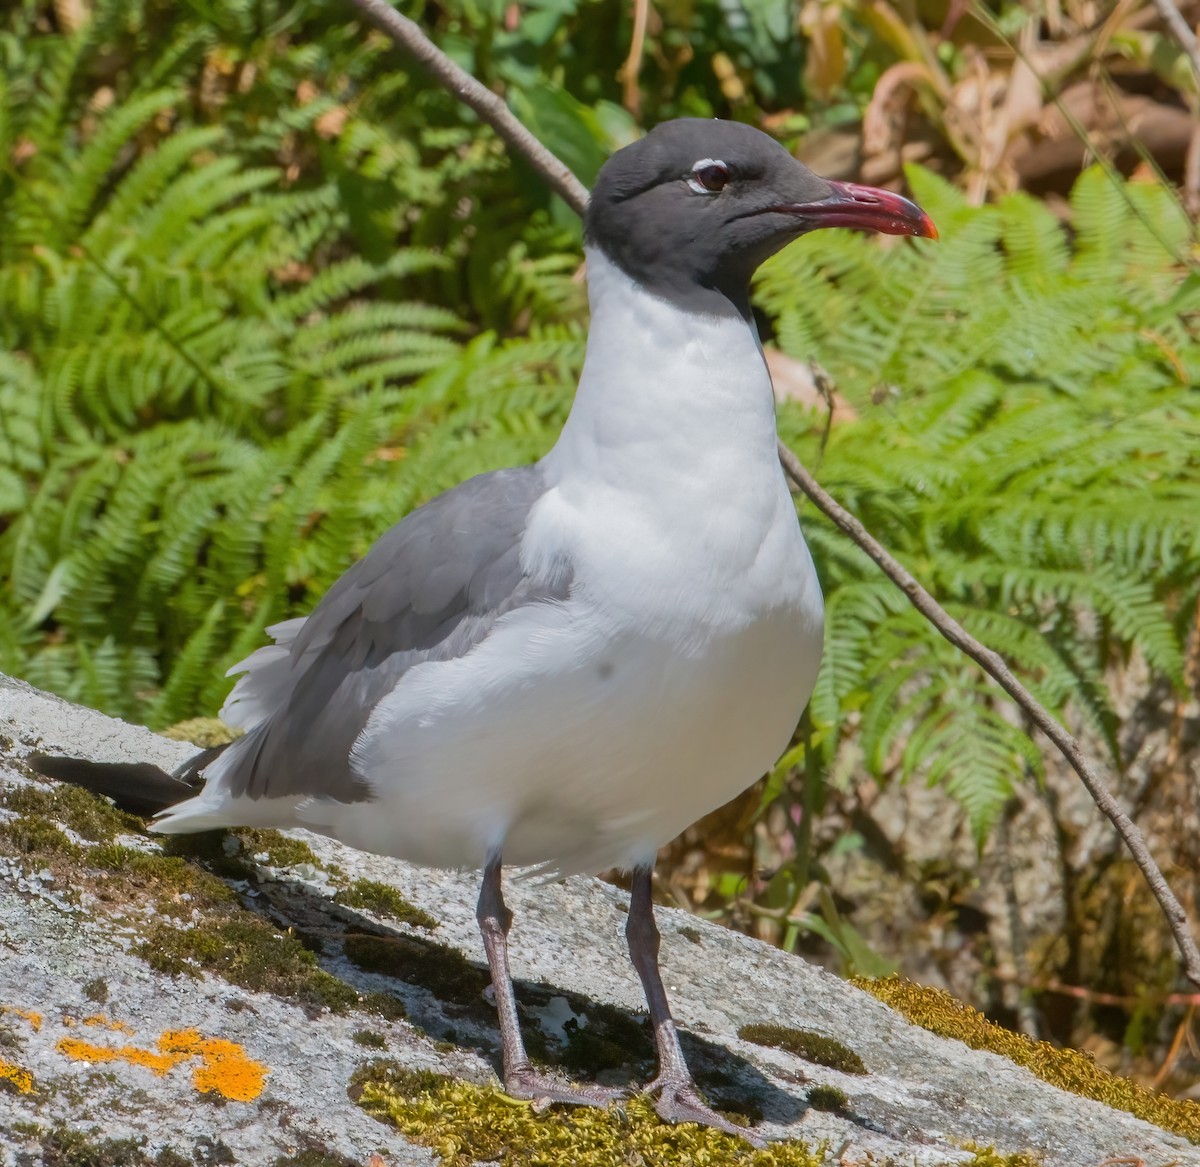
{"points": [[693, 208]]}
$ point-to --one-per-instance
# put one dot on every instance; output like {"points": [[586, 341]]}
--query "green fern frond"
{"points": [[1027, 441]]}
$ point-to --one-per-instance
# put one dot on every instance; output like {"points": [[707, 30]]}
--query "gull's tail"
{"points": [[137, 787]]}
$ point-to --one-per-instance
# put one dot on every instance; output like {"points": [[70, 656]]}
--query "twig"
{"points": [[1182, 32], [493, 111], [1191, 171], [490, 108], [994, 665], [629, 73], [1127, 1001], [1176, 1048]]}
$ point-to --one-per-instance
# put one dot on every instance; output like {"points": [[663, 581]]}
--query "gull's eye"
{"points": [[709, 176]]}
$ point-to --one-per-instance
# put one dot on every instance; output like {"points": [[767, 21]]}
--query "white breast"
{"points": [[586, 734], [668, 496]]}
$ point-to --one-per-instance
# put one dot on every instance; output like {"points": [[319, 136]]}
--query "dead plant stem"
{"points": [[1182, 32], [407, 35]]}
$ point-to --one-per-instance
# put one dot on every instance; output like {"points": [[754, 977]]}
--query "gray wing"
{"points": [[430, 589]]}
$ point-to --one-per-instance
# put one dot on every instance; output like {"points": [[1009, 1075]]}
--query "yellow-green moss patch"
{"points": [[823, 1097], [205, 732], [280, 850], [812, 1047], [990, 1157], [383, 900], [62, 1146], [246, 951], [444, 971], [942, 1014], [463, 1123], [84, 813]]}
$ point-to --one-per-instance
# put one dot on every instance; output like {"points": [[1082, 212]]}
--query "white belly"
{"points": [[574, 743]]}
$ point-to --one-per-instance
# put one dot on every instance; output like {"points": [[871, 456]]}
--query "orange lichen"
{"points": [[85, 1051], [34, 1019], [224, 1069], [15, 1077], [108, 1023]]}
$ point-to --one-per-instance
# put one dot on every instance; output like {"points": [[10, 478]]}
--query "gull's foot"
{"points": [[679, 1101], [541, 1089]]}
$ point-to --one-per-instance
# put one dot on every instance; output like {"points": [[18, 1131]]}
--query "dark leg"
{"points": [[521, 1080], [679, 1098]]}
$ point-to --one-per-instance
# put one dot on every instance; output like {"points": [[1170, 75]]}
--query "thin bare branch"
{"points": [[493, 111], [994, 665], [629, 73], [1182, 32], [490, 108]]}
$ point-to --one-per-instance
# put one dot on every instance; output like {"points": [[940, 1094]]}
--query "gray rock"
{"points": [[923, 1098]]}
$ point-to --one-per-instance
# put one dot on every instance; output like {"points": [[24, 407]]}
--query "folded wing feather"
{"points": [[431, 588]]}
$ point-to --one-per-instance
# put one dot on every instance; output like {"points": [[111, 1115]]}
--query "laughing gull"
{"points": [[561, 666]]}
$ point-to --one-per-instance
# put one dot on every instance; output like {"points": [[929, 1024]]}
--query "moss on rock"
{"points": [[812, 1047], [63, 1146], [444, 971], [177, 886], [384, 1005], [463, 1123], [205, 732], [37, 838], [96, 990], [1067, 1069], [316, 1156], [89, 816], [611, 1039], [383, 900], [825, 1097], [245, 950], [281, 850]]}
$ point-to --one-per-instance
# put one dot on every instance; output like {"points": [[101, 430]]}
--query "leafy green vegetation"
{"points": [[204, 358], [1027, 439]]}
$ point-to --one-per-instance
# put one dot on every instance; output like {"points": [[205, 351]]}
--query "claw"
{"points": [[528, 1086], [680, 1101]]}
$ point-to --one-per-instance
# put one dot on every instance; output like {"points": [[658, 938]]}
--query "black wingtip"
{"points": [[136, 787]]}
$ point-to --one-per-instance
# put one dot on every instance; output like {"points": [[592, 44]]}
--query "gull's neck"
{"points": [[664, 389]]}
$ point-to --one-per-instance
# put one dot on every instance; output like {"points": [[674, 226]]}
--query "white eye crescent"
{"points": [[709, 176]]}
